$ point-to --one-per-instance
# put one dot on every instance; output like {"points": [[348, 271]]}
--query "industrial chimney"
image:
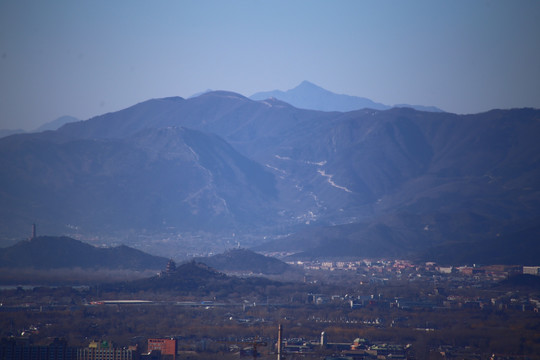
{"points": [[279, 341], [323, 339]]}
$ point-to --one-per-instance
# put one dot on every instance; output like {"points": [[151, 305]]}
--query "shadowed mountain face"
{"points": [[397, 181], [155, 178], [46, 252]]}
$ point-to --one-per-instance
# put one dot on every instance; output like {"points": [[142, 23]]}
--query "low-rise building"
{"points": [[104, 350], [531, 270], [167, 347]]}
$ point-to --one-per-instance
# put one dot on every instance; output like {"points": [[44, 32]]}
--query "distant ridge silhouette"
{"points": [[310, 96]]}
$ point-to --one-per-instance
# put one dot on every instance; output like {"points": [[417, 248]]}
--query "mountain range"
{"points": [[397, 182]]}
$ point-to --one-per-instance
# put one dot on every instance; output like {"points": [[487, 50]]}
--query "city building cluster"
{"points": [[58, 349], [399, 268], [444, 285], [167, 349]]}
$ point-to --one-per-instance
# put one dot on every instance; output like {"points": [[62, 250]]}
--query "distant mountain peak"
{"points": [[308, 95], [306, 83], [311, 87]]}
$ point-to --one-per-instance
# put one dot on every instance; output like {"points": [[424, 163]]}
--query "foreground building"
{"points": [[106, 351], [167, 348]]}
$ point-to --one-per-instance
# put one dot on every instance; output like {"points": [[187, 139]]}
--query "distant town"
{"points": [[363, 309]]}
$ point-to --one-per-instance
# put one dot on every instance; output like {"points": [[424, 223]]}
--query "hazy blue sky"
{"points": [[85, 58]]}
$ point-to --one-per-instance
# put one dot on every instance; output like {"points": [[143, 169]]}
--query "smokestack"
{"points": [[33, 231], [279, 340], [323, 339]]}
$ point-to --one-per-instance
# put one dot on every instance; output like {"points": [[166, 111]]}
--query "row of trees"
{"points": [[500, 332]]}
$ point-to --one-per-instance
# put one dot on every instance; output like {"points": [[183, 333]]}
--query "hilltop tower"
{"points": [[171, 267]]}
